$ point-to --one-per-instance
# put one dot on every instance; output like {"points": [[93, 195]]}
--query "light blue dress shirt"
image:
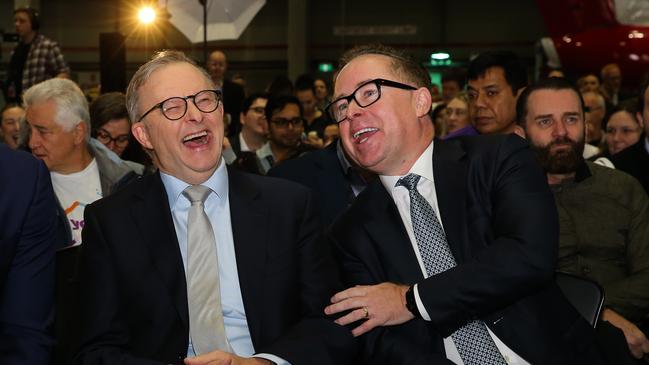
{"points": [[217, 208]]}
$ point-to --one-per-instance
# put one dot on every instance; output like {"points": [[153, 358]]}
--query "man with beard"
{"points": [[603, 213], [284, 114]]}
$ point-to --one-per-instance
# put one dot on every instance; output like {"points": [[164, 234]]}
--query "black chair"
{"points": [[584, 294]]}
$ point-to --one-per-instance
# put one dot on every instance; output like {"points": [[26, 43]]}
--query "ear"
{"points": [[638, 117], [80, 130], [242, 120], [141, 133], [423, 101], [518, 130]]}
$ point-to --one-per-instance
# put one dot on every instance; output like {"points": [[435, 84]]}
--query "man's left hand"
{"points": [[381, 305], [225, 358]]}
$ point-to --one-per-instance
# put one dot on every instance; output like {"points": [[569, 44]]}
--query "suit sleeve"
{"points": [[408, 343], [517, 225], [316, 339], [104, 334], [27, 305]]}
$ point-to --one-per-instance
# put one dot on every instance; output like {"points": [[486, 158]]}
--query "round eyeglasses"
{"points": [[104, 137], [175, 107], [365, 95]]}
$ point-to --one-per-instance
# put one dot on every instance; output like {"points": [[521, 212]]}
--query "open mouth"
{"points": [[196, 139], [364, 134]]}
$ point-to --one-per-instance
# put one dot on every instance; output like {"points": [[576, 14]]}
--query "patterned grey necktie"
{"points": [[473, 342], [206, 325]]}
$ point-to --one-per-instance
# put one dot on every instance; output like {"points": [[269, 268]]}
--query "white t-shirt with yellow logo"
{"points": [[75, 191]]}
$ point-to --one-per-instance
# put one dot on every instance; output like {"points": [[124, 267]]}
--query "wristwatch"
{"points": [[411, 304]]}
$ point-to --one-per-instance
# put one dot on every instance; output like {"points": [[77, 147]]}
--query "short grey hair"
{"points": [[71, 104], [158, 61]]}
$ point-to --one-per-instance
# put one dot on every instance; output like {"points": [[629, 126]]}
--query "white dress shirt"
{"points": [[426, 187], [217, 208]]}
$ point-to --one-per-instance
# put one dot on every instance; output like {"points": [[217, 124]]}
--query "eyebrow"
{"points": [[542, 116], [39, 127], [566, 114], [483, 87], [355, 87]]}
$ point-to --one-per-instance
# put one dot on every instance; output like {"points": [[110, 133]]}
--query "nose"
{"points": [[353, 110], [479, 100], [559, 129], [34, 139], [193, 114]]}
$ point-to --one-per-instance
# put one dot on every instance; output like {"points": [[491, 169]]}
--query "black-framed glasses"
{"points": [[283, 122], [104, 137], [175, 107], [365, 95], [258, 109]]}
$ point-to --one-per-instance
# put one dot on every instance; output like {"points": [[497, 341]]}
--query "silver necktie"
{"points": [[206, 325], [473, 342]]}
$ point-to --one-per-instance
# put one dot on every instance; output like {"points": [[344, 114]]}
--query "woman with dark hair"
{"points": [[109, 121], [111, 126]]}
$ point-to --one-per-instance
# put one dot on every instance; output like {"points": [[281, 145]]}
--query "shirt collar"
{"points": [[265, 151], [218, 182], [422, 167]]}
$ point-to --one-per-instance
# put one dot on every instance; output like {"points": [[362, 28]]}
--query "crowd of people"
{"points": [[380, 222]]}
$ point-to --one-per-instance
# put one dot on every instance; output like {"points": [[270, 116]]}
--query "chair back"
{"points": [[584, 294]]}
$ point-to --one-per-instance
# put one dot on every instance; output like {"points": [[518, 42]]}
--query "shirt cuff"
{"points": [[270, 357], [420, 305]]}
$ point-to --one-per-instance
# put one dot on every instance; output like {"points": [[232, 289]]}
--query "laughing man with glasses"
{"points": [[194, 264], [450, 254]]}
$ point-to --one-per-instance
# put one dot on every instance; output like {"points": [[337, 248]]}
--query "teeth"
{"points": [[195, 135], [364, 130]]}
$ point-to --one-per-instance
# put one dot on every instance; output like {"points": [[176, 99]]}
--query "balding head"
{"points": [[217, 64], [595, 107]]}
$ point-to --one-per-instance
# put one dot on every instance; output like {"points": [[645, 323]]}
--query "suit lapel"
{"points": [[249, 245], [387, 231], [450, 171], [152, 216]]}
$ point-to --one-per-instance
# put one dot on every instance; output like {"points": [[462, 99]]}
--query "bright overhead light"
{"points": [[146, 15], [440, 56]]}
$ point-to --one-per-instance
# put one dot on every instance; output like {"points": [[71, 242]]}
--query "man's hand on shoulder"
{"points": [[379, 305], [225, 358], [635, 339]]}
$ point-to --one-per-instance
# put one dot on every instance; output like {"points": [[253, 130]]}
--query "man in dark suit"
{"points": [[333, 179], [27, 259], [634, 160], [451, 254], [272, 275]]}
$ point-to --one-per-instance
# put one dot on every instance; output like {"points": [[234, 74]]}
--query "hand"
{"points": [[225, 358], [314, 141], [382, 305], [635, 339]]}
